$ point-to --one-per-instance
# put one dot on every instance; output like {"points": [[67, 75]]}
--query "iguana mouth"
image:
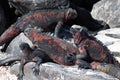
{"points": [[74, 31], [71, 14], [77, 35]]}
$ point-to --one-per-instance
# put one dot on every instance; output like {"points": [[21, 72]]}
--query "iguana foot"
{"points": [[84, 65], [36, 71]]}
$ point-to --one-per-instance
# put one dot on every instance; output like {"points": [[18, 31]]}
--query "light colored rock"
{"points": [[6, 75], [112, 43], [115, 47], [51, 71], [106, 39], [107, 10]]}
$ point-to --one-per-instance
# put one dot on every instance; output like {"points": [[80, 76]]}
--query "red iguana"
{"points": [[44, 21]]}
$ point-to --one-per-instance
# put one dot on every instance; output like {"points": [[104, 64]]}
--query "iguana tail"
{"points": [[107, 68]]}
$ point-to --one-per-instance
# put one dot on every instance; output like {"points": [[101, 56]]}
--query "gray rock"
{"points": [[51, 71], [111, 39], [107, 10], [108, 40], [6, 75]]}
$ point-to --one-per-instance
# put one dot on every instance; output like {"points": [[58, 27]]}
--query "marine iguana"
{"points": [[81, 6], [94, 48], [24, 6], [30, 55], [44, 21]]}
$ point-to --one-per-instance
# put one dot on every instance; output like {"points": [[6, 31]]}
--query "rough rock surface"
{"points": [[107, 10], [51, 71], [6, 75], [112, 43], [48, 71]]}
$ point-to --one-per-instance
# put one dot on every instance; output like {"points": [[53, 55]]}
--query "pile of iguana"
{"points": [[87, 50], [43, 21], [81, 17]]}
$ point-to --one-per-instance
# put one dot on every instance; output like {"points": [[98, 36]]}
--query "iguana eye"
{"points": [[87, 46]]}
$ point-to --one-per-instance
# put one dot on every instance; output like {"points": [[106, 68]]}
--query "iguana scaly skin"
{"points": [[57, 49], [44, 21], [88, 49], [64, 53], [24, 6], [54, 49], [83, 8], [30, 55], [107, 68], [94, 49]]}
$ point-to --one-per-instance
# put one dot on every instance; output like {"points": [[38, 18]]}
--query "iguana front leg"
{"points": [[58, 29], [80, 58], [83, 64], [21, 69], [36, 68]]}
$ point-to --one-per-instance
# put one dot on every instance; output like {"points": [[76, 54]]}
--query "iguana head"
{"points": [[79, 34], [69, 59], [71, 14], [24, 46]]}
